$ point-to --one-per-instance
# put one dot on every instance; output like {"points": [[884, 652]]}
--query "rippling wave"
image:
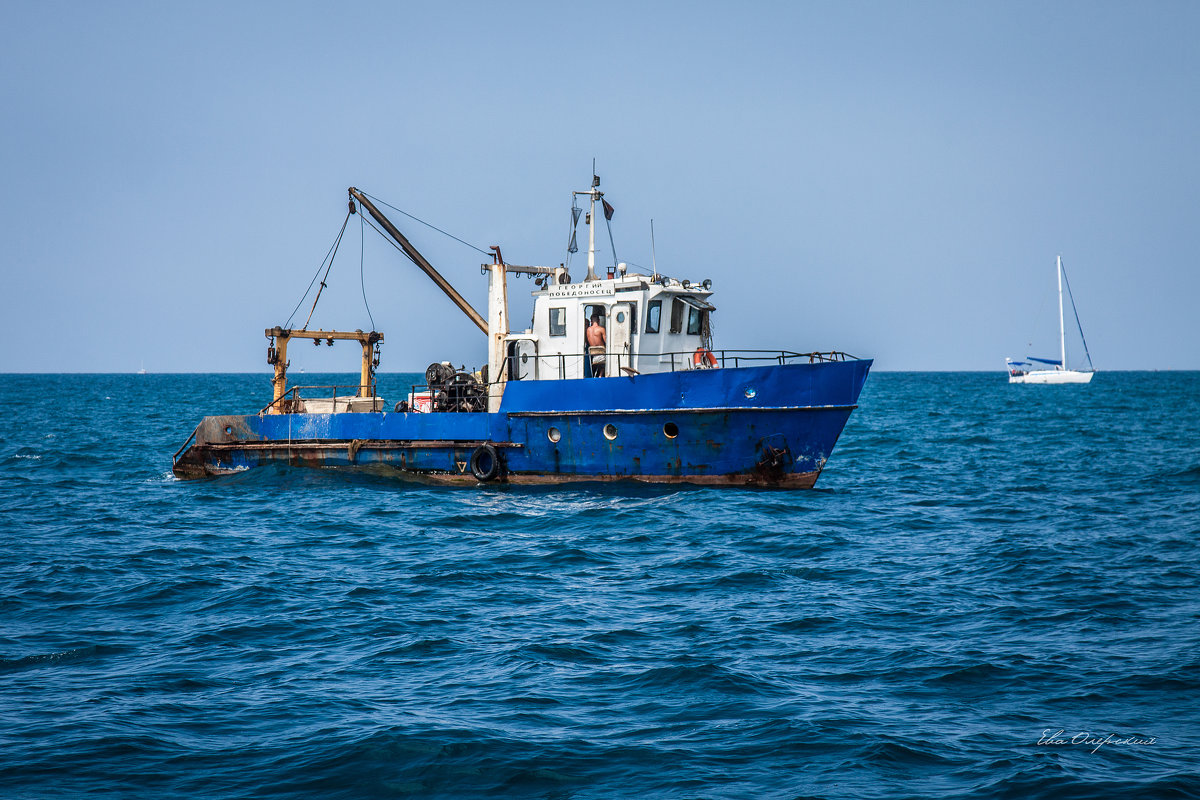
{"points": [[988, 580]]}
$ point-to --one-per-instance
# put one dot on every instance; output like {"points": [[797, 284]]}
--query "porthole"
{"points": [[228, 429], [670, 430], [554, 434], [620, 316], [610, 431], [750, 392]]}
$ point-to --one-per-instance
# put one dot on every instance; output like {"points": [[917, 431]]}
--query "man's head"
{"points": [[596, 317]]}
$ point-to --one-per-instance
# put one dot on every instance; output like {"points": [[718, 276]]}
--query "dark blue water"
{"points": [[981, 567]]}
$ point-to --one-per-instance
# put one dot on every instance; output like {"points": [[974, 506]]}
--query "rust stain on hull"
{"points": [[214, 460]]}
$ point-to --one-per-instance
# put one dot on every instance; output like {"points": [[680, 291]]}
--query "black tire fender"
{"points": [[485, 463]]}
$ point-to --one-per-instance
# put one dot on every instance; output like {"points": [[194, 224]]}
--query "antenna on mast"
{"points": [[653, 257]]}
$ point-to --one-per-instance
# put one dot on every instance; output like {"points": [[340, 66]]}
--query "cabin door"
{"points": [[620, 338], [522, 361]]}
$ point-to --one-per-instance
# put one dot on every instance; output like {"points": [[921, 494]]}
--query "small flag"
{"points": [[608, 209]]}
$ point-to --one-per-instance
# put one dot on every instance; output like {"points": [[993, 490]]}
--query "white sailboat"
{"points": [[1057, 372]]}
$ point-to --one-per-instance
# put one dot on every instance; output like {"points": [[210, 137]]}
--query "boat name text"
{"points": [[581, 290]]}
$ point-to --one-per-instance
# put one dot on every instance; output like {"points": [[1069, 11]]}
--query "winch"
{"points": [[455, 390]]}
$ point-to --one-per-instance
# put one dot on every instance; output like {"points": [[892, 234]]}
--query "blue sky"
{"points": [[890, 179]]}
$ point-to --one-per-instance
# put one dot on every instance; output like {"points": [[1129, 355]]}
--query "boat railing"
{"points": [[179, 452], [559, 366], [465, 400], [556, 364], [291, 401], [737, 358]]}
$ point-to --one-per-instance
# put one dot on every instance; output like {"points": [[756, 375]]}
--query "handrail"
{"points": [[294, 391], [278, 400], [726, 358], [622, 360], [175, 458]]}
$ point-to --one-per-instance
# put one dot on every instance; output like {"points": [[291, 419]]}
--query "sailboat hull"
{"points": [[1052, 376]]}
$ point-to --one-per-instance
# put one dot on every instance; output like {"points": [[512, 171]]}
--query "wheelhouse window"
{"points": [[695, 326], [653, 316], [677, 315], [558, 321]]}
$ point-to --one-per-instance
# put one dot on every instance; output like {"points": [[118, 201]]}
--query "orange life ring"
{"points": [[703, 358]]}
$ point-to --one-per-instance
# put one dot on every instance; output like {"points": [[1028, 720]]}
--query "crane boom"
{"points": [[404, 244]]}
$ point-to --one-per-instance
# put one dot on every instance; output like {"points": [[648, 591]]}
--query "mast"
{"points": [[591, 274], [497, 328], [1062, 330]]}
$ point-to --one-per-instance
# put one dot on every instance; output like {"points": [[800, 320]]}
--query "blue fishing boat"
{"points": [[617, 378]]}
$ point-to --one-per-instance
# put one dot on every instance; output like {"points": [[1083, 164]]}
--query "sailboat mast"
{"points": [[1062, 330]]}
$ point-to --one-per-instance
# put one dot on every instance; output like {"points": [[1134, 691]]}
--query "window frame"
{"points": [[651, 308], [562, 320], [677, 306]]}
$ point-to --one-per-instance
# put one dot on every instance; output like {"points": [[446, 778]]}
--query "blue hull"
{"points": [[774, 425]]}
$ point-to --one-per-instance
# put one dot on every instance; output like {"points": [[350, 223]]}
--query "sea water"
{"points": [[991, 593]]}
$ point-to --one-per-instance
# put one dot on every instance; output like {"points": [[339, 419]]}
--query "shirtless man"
{"points": [[596, 338]]}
